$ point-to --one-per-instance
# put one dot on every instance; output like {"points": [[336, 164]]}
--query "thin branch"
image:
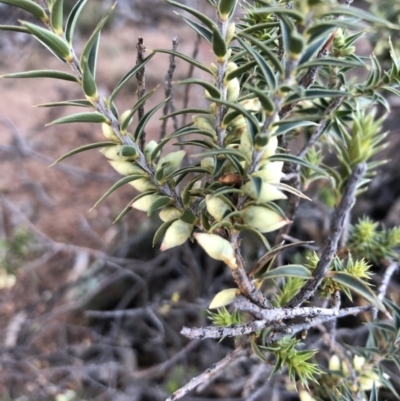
{"points": [[141, 84], [390, 270], [330, 244], [207, 374], [169, 105]]}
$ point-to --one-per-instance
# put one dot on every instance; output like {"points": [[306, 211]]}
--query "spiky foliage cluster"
{"points": [[284, 70]]}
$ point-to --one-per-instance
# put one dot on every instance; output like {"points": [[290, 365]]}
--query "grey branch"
{"points": [[206, 375], [330, 244], [169, 105], [141, 84]]}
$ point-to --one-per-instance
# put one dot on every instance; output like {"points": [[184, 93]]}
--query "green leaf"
{"points": [[330, 62], [269, 54], [374, 393], [241, 70], [88, 66], [83, 149], [264, 98], [117, 185], [128, 76], [284, 157], [256, 233], [42, 74], [221, 152], [13, 28], [124, 211], [219, 44], [314, 94], [240, 109], [142, 123], [361, 14], [29, 6], [94, 37], [212, 90], [49, 39], [286, 126], [72, 19], [200, 29], [266, 70], [159, 203], [357, 285], [200, 16], [94, 117], [259, 27], [186, 111], [162, 230], [258, 352], [135, 108], [77, 103], [281, 11], [288, 271], [57, 15], [312, 49]]}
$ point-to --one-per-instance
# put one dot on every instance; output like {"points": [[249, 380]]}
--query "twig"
{"points": [[207, 374], [330, 244], [390, 270], [189, 75], [141, 84], [169, 105]]}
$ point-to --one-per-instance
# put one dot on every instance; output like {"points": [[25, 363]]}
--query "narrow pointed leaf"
{"points": [[77, 103], [273, 58], [288, 271], [200, 29], [29, 6], [142, 123], [281, 11], [200, 16], [13, 28], [43, 74], [256, 233], [264, 98], [124, 211], [140, 102], [314, 94], [241, 70], [57, 15], [128, 76], [72, 19], [241, 110], [53, 42], [159, 203], [94, 37], [312, 48], [162, 230], [330, 62], [83, 149], [266, 70], [186, 111], [212, 90], [357, 285], [81, 118], [286, 126], [283, 157], [117, 185]]}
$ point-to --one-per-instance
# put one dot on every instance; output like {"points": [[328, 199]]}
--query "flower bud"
{"points": [[205, 123], [171, 161], [217, 207], [270, 172], [126, 168], [114, 153], [252, 104], [334, 363], [177, 234], [233, 90], [230, 33], [229, 68], [208, 163], [214, 69], [263, 219], [144, 202], [270, 148], [224, 297], [169, 213], [109, 133], [218, 248], [149, 148], [142, 184], [124, 115], [267, 193]]}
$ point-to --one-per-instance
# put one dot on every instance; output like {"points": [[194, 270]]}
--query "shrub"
{"points": [[283, 70]]}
